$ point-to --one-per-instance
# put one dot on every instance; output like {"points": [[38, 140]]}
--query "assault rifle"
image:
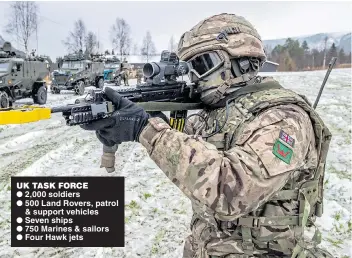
{"points": [[161, 92]]}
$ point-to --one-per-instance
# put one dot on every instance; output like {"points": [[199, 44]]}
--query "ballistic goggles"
{"points": [[205, 63]]}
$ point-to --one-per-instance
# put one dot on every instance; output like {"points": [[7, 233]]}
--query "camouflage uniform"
{"points": [[245, 190], [139, 76], [125, 78], [124, 74], [258, 181]]}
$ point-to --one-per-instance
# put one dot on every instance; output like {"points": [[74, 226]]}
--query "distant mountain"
{"points": [[18, 52], [341, 40], [345, 43]]}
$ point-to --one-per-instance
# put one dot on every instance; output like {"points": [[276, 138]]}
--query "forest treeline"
{"points": [[293, 56]]}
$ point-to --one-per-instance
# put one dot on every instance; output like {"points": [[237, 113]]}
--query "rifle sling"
{"points": [[246, 90]]}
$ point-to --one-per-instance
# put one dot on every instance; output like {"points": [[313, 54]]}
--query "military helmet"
{"points": [[222, 51]]}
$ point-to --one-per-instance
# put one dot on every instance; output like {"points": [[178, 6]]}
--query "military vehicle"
{"points": [[22, 77], [77, 72], [112, 70]]}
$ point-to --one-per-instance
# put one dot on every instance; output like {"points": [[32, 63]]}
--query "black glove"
{"points": [[125, 124]]}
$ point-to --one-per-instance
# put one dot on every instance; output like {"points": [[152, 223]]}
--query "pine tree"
{"points": [[305, 45], [341, 58], [306, 54], [332, 53]]}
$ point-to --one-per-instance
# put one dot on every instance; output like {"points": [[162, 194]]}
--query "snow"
{"points": [[157, 213]]}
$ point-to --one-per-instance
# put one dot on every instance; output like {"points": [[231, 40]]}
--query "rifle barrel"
{"points": [[331, 65], [60, 109]]}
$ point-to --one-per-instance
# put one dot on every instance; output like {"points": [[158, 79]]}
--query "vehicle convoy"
{"points": [[77, 72], [22, 77], [112, 70]]}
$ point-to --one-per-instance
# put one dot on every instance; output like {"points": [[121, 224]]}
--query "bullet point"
{"points": [[19, 203], [19, 228], [19, 220], [19, 194], [19, 237]]}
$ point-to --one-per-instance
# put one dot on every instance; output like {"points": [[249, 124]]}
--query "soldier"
{"points": [[252, 162], [124, 72], [126, 77], [139, 76]]}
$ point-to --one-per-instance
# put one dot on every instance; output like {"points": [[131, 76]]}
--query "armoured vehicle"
{"points": [[22, 77], [77, 72], [112, 70]]}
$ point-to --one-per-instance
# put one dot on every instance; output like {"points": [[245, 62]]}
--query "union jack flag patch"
{"points": [[286, 138]]}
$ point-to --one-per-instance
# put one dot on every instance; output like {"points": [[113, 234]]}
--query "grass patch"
{"points": [[337, 215], [154, 250], [146, 196], [133, 205], [176, 211], [335, 243], [157, 240], [349, 225]]}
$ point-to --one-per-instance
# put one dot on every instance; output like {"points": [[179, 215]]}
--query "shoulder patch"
{"points": [[283, 152], [286, 138]]}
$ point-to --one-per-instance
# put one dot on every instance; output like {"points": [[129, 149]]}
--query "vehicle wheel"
{"points": [[55, 90], [4, 100], [79, 88], [100, 83], [40, 96]]}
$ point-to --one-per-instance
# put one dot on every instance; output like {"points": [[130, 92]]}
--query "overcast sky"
{"points": [[164, 19]]}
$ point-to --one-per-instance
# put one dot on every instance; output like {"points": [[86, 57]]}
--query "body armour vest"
{"points": [[268, 228]]}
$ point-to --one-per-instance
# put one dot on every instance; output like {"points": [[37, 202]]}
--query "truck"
{"points": [[22, 77], [112, 70], [77, 72]]}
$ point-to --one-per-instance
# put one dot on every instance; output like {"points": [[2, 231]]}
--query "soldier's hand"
{"points": [[125, 124]]}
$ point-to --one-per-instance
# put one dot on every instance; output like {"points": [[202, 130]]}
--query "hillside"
{"points": [[341, 40]]}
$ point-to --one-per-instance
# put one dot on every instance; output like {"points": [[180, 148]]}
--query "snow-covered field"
{"points": [[157, 213]]}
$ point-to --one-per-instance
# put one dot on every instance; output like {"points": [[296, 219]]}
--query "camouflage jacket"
{"points": [[139, 74], [253, 196]]}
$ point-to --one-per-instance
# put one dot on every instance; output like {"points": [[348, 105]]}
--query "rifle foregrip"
{"points": [[108, 158]]}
